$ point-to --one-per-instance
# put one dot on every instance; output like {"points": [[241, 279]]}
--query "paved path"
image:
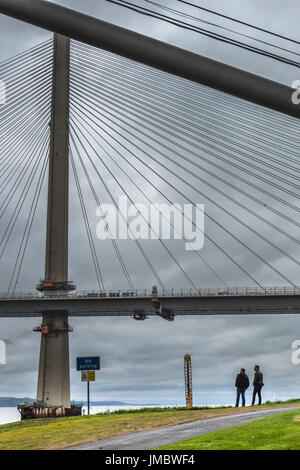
{"points": [[146, 440]]}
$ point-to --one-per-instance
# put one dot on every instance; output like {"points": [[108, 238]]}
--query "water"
{"points": [[11, 414]]}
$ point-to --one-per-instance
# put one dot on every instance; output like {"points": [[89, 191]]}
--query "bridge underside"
{"points": [[126, 306]]}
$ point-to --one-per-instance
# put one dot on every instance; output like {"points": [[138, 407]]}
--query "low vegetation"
{"points": [[65, 432], [277, 432]]}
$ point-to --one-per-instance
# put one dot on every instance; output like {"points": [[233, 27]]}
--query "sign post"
{"points": [[88, 397], [88, 376], [88, 366]]}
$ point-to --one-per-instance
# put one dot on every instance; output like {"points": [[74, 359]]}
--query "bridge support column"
{"points": [[54, 370], [54, 376]]}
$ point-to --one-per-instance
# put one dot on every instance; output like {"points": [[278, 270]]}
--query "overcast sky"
{"points": [[142, 362]]}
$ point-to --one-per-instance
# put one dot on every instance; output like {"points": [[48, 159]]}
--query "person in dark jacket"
{"points": [[241, 383], [258, 384]]}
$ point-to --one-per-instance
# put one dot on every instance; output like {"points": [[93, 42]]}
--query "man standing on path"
{"points": [[241, 383], [258, 384]]}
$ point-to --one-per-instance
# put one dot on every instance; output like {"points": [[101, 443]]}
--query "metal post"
{"points": [[54, 375], [188, 380], [88, 396]]}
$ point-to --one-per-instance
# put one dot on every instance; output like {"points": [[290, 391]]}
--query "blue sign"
{"points": [[88, 363]]}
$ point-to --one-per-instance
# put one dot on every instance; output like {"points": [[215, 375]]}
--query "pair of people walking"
{"points": [[242, 383]]}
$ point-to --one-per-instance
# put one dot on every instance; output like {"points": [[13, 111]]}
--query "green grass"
{"points": [[59, 433], [278, 432], [168, 408], [64, 432]]}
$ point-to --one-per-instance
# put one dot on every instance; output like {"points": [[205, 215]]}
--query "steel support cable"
{"points": [[199, 147], [237, 220], [111, 196], [138, 104], [22, 120], [17, 184], [228, 118], [142, 90], [115, 246], [116, 205], [207, 97], [196, 89], [205, 150], [30, 227], [231, 215], [212, 117], [230, 198], [195, 18], [24, 104], [12, 128], [17, 79], [216, 244], [21, 97], [16, 112], [238, 21], [138, 211], [176, 153], [28, 73], [16, 118], [142, 110], [20, 162], [28, 68], [14, 147], [14, 62], [22, 158], [29, 223], [87, 225], [202, 31], [19, 86], [23, 161], [22, 198], [278, 229], [21, 132], [213, 174], [144, 194], [19, 62]]}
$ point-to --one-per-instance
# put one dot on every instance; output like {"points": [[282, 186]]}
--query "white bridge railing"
{"points": [[205, 292]]}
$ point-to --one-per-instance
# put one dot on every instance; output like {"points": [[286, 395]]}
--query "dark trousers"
{"points": [[240, 391], [256, 390]]}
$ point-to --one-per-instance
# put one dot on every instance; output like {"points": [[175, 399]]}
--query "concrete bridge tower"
{"points": [[54, 375]]}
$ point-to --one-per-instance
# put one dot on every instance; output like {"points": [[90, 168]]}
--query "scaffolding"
{"points": [[188, 380]]}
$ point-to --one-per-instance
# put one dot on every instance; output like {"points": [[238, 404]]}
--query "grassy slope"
{"points": [[278, 432], [64, 432]]}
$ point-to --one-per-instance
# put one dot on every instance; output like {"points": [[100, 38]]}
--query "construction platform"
{"points": [[37, 410]]}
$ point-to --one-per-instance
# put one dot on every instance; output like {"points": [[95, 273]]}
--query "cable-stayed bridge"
{"points": [[142, 119]]}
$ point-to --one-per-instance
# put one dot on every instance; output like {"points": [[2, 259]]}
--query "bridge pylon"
{"points": [[54, 368]]}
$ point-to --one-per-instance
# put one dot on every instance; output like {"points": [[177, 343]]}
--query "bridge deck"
{"points": [[279, 300]]}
